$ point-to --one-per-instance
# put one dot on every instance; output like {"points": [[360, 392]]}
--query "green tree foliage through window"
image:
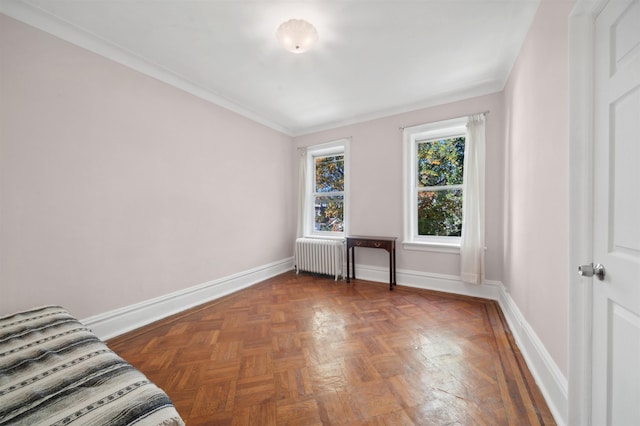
{"points": [[439, 186], [329, 193], [330, 173]]}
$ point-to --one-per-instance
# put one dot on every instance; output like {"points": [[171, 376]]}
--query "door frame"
{"points": [[581, 144]]}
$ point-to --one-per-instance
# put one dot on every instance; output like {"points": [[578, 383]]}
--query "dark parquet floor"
{"points": [[305, 350]]}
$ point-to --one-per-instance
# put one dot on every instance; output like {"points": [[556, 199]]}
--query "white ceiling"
{"points": [[373, 58]]}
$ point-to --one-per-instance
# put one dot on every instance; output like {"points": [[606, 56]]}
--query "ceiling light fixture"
{"points": [[297, 35]]}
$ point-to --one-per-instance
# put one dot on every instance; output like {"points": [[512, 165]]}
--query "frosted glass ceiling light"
{"points": [[297, 35]]}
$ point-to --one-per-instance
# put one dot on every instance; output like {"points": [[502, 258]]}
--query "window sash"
{"points": [[437, 167], [315, 164], [451, 215], [418, 189], [412, 138], [331, 149], [328, 199]]}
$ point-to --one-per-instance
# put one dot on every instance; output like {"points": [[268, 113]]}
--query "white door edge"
{"points": [[581, 106]]}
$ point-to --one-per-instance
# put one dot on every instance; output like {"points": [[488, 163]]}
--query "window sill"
{"points": [[432, 246]]}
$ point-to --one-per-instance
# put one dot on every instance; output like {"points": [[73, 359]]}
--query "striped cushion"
{"points": [[54, 371]]}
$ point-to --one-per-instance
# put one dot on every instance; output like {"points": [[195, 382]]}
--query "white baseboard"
{"points": [[430, 281], [119, 321], [545, 371], [552, 383]]}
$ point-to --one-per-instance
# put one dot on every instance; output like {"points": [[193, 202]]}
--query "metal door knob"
{"points": [[591, 270]]}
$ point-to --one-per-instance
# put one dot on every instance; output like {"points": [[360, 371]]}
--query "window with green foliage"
{"points": [[434, 173], [329, 193], [439, 171], [326, 189]]}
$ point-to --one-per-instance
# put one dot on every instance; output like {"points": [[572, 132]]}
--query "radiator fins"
{"points": [[320, 256]]}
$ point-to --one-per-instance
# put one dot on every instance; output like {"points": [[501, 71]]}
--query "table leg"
{"points": [[395, 282], [348, 280], [353, 261], [390, 270]]}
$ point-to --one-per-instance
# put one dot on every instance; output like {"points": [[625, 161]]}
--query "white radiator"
{"points": [[320, 256]]}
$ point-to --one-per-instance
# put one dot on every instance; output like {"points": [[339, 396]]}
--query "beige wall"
{"points": [[116, 188], [527, 181], [376, 183], [536, 247]]}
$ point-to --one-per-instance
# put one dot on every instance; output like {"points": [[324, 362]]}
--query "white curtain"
{"points": [[302, 193], [302, 177], [472, 244]]}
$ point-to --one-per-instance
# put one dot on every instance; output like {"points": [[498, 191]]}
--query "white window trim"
{"points": [[411, 137], [340, 146]]}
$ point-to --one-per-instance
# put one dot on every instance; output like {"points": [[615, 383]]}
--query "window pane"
{"points": [[330, 173], [440, 162], [440, 213], [329, 215]]}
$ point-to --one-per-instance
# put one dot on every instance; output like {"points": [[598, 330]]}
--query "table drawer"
{"points": [[369, 243]]}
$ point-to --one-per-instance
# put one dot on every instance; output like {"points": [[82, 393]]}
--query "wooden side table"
{"points": [[386, 243]]}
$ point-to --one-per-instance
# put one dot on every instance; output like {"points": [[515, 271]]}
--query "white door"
{"points": [[616, 215]]}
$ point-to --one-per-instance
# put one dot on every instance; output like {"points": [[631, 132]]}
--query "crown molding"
{"points": [[53, 25], [63, 30], [443, 98]]}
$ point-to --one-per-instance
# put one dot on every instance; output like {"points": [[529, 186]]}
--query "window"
{"points": [[326, 189], [434, 171], [439, 164]]}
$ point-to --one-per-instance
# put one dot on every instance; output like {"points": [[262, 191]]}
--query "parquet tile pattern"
{"points": [[305, 350]]}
